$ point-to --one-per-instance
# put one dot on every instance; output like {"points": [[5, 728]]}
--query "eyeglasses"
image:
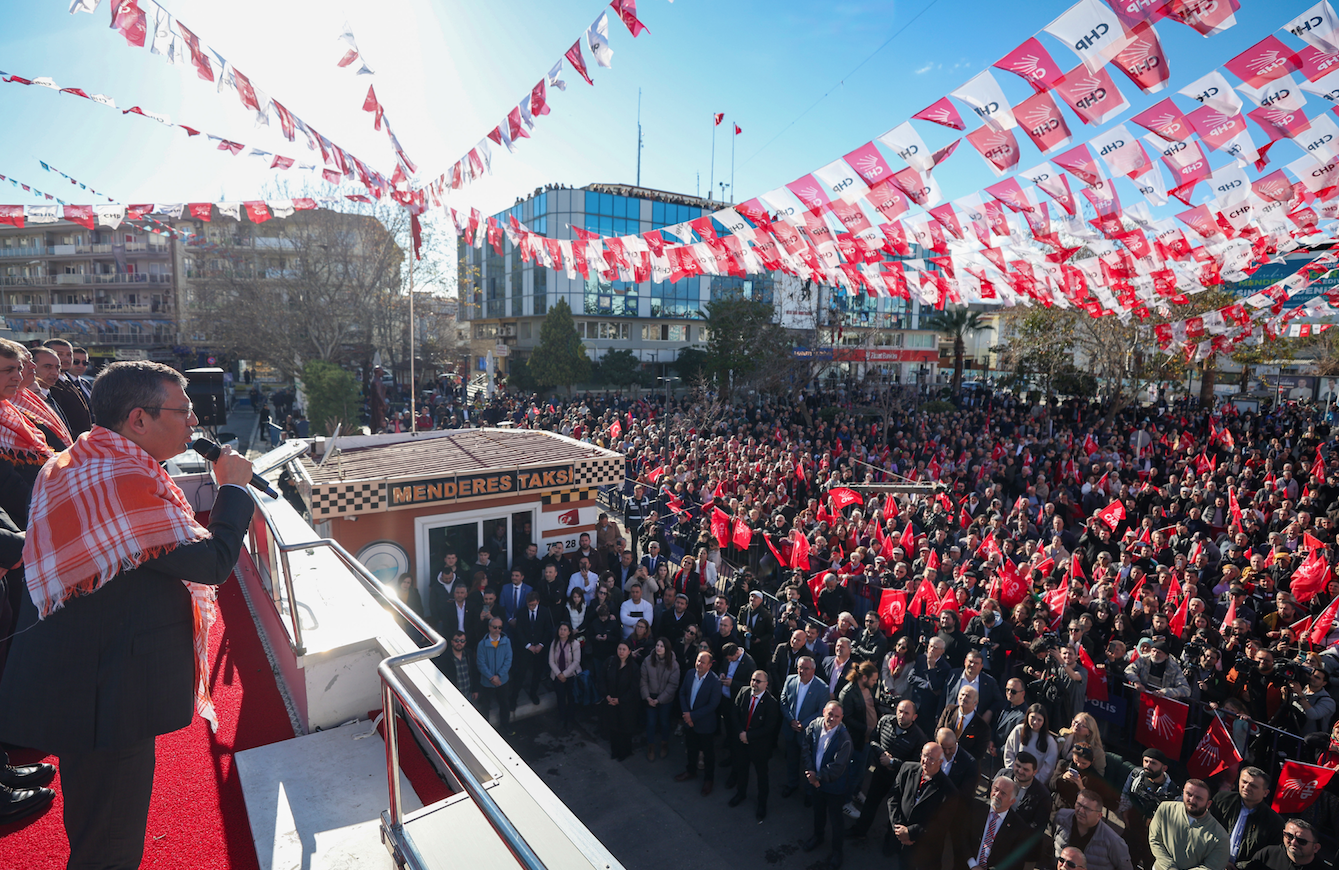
{"points": [[1294, 838], [1065, 862], [1013, 691], [188, 410], [1085, 808]]}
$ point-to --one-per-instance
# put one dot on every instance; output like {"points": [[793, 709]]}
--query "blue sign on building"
{"points": [[1272, 272]]}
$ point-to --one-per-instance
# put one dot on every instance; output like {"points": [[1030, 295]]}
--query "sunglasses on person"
{"points": [[1065, 862], [1296, 838]]}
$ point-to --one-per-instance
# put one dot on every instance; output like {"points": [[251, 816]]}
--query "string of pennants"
{"points": [[835, 224], [145, 24]]}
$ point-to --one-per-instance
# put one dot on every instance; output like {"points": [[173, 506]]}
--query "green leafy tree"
{"points": [[744, 344], [560, 360], [519, 377], [956, 323], [332, 396], [691, 364], [620, 368]]}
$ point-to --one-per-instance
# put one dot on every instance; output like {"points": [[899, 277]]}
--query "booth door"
{"points": [[463, 539]]}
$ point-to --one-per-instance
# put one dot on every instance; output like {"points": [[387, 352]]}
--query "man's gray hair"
{"points": [[129, 384]]}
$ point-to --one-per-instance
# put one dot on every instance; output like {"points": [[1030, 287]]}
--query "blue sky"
{"points": [[448, 71]]}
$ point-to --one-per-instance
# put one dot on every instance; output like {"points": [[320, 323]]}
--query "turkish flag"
{"points": [[1097, 683], [1215, 752], [1229, 617], [933, 561], [1299, 785], [927, 597], [1090, 444], [1324, 622], [656, 474], [743, 535], [1112, 514], [892, 609], [816, 584], [616, 430], [799, 556], [1178, 621], [841, 497], [1162, 723], [720, 526], [1075, 568], [950, 599], [908, 539], [1310, 576]]}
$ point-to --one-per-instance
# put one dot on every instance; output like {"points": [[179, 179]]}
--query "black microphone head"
{"points": [[208, 449]]}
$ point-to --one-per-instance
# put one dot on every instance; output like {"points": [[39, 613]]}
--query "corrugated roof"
{"points": [[463, 452]]}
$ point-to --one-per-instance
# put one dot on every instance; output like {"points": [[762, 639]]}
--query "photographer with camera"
{"points": [[1200, 664], [1061, 683], [1310, 704]]}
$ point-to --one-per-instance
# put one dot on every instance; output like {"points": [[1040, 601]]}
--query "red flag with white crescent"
{"points": [[927, 598], [1162, 723], [1178, 620], [799, 556], [1097, 684], [892, 609], [1299, 786]]}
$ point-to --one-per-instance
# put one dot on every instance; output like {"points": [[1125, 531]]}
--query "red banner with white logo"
{"points": [[1162, 723]]}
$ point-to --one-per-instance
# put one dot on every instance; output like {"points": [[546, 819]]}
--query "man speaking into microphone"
{"points": [[112, 641]]}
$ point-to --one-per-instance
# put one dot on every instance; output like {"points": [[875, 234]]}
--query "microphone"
{"points": [[211, 451]]}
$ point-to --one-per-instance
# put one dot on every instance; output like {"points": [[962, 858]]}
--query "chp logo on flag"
{"points": [[1299, 785], [1162, 723], [570, 518]]}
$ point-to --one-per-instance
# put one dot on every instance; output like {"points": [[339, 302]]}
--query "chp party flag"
{"points": [[743, 535], [1162, 723], [1215, 752], [720, 526], [1112, 514], [842, 497], [1299, 785]]}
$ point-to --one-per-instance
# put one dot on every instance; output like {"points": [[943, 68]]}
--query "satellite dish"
{"points": [[334, 436]]}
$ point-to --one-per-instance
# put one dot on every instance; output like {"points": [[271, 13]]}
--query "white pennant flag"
{"points": [[1230, 185], [485, 154], [1320, 139], [83, 6], [906, 143], [1317, 27], [1152, 184], [110, 215], [231, 209], [280, 208], [983, 94], [1326, 87], [1093, 31], [162, 31], [556, 77], [598, 39], [841, 181], [1283, 93], [171, 209], [1213, 90], [42, 214], [1120, 150]]}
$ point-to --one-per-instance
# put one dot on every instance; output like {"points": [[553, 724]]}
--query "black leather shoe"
{"points": [[761, 813], [811, 844], [19, 803], [787, 791], [731, 781], [27, 775], [736, 800]]}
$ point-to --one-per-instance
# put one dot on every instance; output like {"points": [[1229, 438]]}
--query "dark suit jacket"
{"points": [[743, 671], [853, 714], [117, 667], [759, 639], [1011, 847], [989, 695], [964, 773], [975, 737], [927, 825], [70, 400], [708, 699], [529, 631], [833, 767], [783, 665], [762, 730]]}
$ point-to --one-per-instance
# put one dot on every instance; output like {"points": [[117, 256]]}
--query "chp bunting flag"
{"points": [[1162, 723], [1321, 629], [842, 497], [1216, 751], [1112, 514], [927, 598], [720, 526], [743, 534], [1299, 785], [1310, 576], [892, 609]]}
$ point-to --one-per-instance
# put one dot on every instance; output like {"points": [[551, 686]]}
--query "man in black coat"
{"points": [[785, 658], [67, 397], [758, 715], [755, 621], [530, 639], [959, 765], [967, 723], [990, 834], [896, 740], [917, 823], [123, 656], [990, 699]]}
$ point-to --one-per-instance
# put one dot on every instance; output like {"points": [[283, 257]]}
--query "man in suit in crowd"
{"points": [[758, 715], [968, 726], [827, 758], [513, 598], [1032, 800], [653, 560], [95, 677], [991, 836], [802, 702], [990, 699], [917, 822], [699, 696], [733, 666], [455, 612], [959, 765], [785, 660], [66, 394], [530, 639], [897, 739]]}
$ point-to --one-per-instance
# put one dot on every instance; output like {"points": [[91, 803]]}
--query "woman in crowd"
{"points": [[1083, 729], [564, 665], [576, 610], [659, 688], [1033, 735], [622, 694]]}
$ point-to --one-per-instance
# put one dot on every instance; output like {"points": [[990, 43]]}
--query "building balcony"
{"points": [[23, 252], [131, 278], [133, 307], [26, 308], [27, 280]]}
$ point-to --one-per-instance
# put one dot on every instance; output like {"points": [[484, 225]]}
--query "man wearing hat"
{"points": [[1159, 673], [1144, 791], [755, 623]]}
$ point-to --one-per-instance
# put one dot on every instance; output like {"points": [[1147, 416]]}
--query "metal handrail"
{"points": [[393, 690]]}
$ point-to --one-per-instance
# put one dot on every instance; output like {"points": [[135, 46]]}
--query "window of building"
{"points": [[524, 327], [664, 332], [541, 290], [485, 330], [664, 214], [922, 340]]}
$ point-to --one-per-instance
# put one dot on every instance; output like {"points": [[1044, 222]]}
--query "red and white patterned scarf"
{"points": [[104, 507], [29, 401], [21, 442]]}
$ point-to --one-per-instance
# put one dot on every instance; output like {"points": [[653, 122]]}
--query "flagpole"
{"points": [[733, 137], [413, 390], [711, 179]]}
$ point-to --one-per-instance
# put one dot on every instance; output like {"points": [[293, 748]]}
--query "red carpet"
{"points": [[198, 816]]}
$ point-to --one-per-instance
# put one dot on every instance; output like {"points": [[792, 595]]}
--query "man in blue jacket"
{"points": [[699, 695], [802, 702], [827, 755], [493, 659]]}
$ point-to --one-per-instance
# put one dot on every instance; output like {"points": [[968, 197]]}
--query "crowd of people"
{"points": [[945, 626]]}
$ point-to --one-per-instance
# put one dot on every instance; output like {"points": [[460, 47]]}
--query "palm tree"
{"points": [[955, 323]]}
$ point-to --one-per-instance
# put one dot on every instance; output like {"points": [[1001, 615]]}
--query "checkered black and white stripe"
{"points": [[344, 499], [598, 472]]}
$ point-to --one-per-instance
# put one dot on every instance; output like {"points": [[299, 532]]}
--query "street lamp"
{"points": [[664, 424]]}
